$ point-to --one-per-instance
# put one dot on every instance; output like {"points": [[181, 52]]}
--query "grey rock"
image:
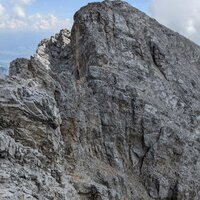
{"points": [[108, 111]]}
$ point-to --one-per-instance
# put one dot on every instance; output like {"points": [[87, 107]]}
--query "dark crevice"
{"points": [[158, 57]]}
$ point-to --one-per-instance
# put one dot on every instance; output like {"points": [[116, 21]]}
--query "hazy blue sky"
{"points": [[23, 23]]}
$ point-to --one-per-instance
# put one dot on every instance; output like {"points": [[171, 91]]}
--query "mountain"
{"points": [[19, 44], [110, 111]]}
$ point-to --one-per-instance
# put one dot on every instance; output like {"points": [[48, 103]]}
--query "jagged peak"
{"points": [[110, 111]]}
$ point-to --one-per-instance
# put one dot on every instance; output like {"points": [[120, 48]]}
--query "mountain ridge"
{"points": [[108, 111]]}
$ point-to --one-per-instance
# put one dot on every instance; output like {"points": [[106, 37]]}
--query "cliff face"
{"points": [[109, 111]]}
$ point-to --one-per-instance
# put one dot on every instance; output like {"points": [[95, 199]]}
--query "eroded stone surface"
{"points": [[108, 111]]}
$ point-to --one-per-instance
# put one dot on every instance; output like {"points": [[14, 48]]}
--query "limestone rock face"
{"points": [[110, 111]]}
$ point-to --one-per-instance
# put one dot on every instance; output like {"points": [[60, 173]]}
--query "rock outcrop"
{"points": [[110, 111]]}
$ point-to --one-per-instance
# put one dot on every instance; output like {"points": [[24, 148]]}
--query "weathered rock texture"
{"points": [[108, 112]]}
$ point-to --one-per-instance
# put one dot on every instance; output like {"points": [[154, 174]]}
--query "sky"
{"points": [[23, 23]]}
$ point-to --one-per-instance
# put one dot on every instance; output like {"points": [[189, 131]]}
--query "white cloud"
{"points": [[25, 2], [2, 10], [36, 22], [48, 22], [181, 16], [16, 18], [20, 2], [19, 11]]}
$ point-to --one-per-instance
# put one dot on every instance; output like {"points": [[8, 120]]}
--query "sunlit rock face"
{"points": [[110, 111]]}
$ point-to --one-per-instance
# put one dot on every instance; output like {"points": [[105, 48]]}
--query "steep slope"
{"points": [[108, 111]]}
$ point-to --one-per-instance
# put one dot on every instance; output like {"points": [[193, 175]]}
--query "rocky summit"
{"points": [[108, 111]]}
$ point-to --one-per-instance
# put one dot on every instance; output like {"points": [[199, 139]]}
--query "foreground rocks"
{"points": [[108, 111]]}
